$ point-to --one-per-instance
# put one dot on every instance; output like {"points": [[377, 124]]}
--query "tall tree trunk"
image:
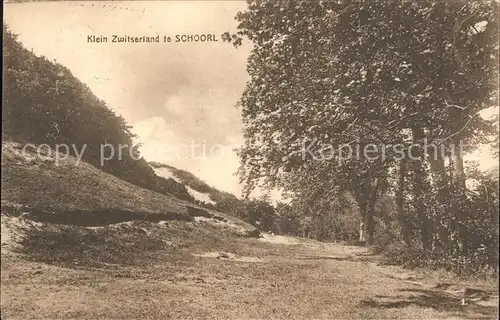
{"points": [[362, 237], [370, 217], [458, 166], [370, 222], [403, 218], [361, 200], [459, 190], [367, 223], [366, 197], [419, 189], [441, 206], [493, 208]]}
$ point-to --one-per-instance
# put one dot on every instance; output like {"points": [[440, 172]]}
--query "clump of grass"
{"points": [[72, 246]]}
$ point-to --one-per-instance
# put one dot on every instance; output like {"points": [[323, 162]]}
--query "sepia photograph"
{"points": [[250, 159]]}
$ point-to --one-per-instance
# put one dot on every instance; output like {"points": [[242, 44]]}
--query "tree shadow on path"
{"points": [[438, 300]]}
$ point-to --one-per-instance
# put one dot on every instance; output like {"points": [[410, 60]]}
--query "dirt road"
{"points": [[271, 278]]}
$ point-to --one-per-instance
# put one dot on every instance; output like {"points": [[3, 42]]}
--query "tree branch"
{"points": [[462, 129]]}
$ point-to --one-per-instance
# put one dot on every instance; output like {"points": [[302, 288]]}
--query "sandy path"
{"points": [[286, 278]]}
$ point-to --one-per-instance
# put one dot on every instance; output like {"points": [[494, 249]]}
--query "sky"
{"points": [[180, 98]]}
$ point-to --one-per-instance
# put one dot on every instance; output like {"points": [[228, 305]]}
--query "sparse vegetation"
{"points": [[224, 201], [331, 76]]}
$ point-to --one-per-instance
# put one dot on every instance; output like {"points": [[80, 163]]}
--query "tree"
{"points": [[287, 220], [259, 213], [329, 74]]}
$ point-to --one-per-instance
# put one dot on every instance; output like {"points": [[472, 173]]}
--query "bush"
{"points": [[258, 213]]}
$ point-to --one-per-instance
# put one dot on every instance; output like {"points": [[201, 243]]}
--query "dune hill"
{"points": [[203, 194], [44, 104]]}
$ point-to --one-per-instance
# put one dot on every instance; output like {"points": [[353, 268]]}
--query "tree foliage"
{"points": [[258, 212], [342, 73]]}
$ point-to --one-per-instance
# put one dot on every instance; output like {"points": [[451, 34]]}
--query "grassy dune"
{"points": [[189, 262]]}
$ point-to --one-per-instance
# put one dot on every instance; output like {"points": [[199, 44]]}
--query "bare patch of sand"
{"points": [[13, 232]]}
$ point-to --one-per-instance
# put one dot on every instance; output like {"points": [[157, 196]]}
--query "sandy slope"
{"points": [[206, 277], [200, 196], [57, 190]]}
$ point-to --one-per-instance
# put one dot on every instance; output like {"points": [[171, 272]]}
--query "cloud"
{"points": [[214, 163], [157, 139]]}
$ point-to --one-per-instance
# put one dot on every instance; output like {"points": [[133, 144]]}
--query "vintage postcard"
{"points": [[258, 159]]}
